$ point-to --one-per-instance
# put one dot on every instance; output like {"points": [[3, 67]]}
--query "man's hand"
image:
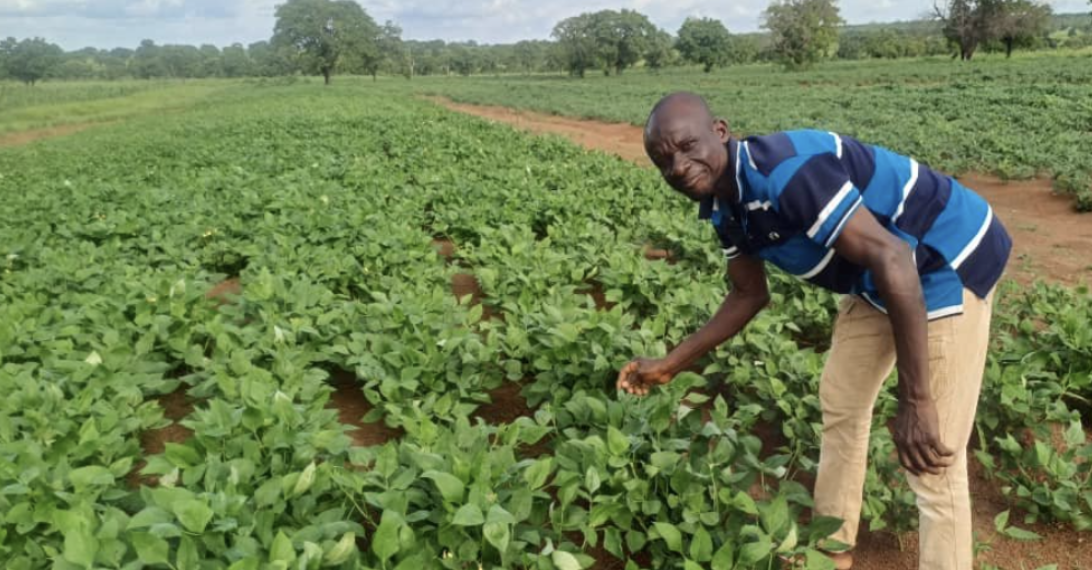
{"points": [[640, 375], [917, 438]]}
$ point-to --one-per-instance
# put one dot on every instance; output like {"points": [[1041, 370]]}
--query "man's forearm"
{"points": [[734, 313], [899, 285]]}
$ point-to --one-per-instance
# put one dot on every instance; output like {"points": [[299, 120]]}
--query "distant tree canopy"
{"points": [[325, 37], [803, 32], [704, 41], [970, 24], [30, 60], [1019, 23], [609, 40], [323, 34]]}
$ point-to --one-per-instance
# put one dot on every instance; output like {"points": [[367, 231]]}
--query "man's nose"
{"points": [[677, 168]]}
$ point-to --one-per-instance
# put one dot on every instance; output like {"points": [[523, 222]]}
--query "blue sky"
{"points": [[111, 23]]}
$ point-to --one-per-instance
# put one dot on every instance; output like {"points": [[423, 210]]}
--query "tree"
{"points": [[6, 46], [324, 33], [1019, 23], [32, 59], [390, 52], [803, 31], [608, 39], [704, 41], [966, 24], [622, 38], [235, 62], [146, 62], [659, 53], [576, 44], [270, 61]]}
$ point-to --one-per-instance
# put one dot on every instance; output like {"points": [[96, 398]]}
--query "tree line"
{"points": [[324, 37]]}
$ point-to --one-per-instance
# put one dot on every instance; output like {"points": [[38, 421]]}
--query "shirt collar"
{"points": [[709, 205]]}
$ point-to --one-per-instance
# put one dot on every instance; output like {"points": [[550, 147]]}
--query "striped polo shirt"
{"points": [[797, 190]]}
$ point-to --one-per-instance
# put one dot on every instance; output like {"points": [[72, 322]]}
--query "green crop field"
{"points": [[1021, 118], [337, 208]]}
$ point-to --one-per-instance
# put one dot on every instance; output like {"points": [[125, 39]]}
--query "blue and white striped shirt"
{"points": [[797, 190]]}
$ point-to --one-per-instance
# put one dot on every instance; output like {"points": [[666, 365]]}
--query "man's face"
{"points": [[687, 145]]}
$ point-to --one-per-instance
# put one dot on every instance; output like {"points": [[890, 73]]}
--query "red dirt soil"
{"points": [[445, 248], [351, 405], [506, 405], [1052, 241], [223, 291], [26, 137], [176, 406]]}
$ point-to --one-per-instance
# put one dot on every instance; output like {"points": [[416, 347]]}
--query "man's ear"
{"points": [[720, 127]]}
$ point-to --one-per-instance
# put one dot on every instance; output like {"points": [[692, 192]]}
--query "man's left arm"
{"points": [[864, 242]]}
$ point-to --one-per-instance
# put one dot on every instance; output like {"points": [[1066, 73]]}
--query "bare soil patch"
{"points": [[224, 291], [506, 405], [351, 405], [1052, 240], [176, 406], [26, 137], [617, 138], [445, 248]]}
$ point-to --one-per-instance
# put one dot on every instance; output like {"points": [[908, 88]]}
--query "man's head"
{"points": [[687, 144]]}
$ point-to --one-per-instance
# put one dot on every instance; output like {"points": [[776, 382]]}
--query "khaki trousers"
{"points": [[861, 358]]}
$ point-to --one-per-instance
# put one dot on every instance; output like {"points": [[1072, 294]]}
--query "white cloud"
{"points": [[111, 23]]}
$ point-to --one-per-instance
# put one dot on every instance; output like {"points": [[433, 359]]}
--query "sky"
{"points": [[74, 24]]}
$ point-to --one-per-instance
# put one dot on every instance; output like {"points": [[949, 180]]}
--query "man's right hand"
{"points": [[640, 375]]}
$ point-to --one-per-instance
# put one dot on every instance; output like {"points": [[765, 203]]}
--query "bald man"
{"points": [[917, 257]]}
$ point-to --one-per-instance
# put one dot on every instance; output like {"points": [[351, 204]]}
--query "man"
{"points": [[917, 255]]}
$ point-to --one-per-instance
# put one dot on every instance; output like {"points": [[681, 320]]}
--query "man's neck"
{"points": [[727, 187]]}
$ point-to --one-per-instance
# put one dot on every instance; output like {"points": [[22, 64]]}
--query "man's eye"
{"points": [[687, 145]]}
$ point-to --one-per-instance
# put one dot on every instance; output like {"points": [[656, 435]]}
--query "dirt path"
{"points": [[1052, 241], [25, 137]]}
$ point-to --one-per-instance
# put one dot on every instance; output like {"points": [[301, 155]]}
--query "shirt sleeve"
{"points": [[819, 198]]}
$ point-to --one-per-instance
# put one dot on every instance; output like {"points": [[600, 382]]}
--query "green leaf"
{"points": [[670, 534], [701, 546], [815, 560], [150, 548], [91, 475], [790, 541], [385, 542], [181, 455], [1021, 534], [724, 559], [451, 487], [282, 550], [150, 516], [1074, 435], [341, 551], [564, 561], [468, 515], [187, 557], [80, 545], [617, 442], [249, 563], [194, 514], [775, 515], [497, 514], [823, 527], [691, 565], [497, 534], [752, 552], [591, 480], [537, 474]]}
